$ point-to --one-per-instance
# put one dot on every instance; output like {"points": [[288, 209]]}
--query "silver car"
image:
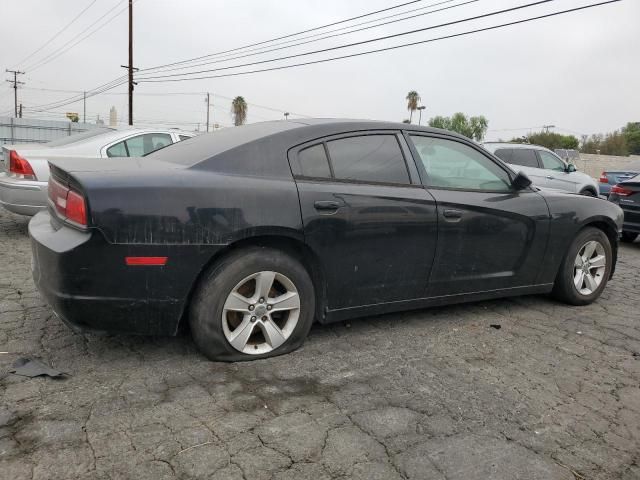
{"points": [[544, 167], [25, 168]]}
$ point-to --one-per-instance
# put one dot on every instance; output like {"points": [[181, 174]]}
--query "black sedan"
{"points": [[627, 195], [251, 233]]}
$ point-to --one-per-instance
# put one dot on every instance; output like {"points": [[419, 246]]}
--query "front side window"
{"points": [[451, 164], [314, 162], [117, 150], [550, 161], [525, 157], [368, 158], [147, 143]]}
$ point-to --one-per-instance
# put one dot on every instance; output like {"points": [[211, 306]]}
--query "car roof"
{"points": [[493, 146], [209, 145]]}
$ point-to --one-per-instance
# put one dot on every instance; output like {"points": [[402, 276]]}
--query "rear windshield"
{"points": [[76, 137], [207, 145]]}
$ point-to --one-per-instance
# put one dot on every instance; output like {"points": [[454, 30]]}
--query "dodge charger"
{"points": [[249, 235]]}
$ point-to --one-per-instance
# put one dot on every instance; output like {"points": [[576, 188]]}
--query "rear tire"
{"points": [[255, 303], [586, 268], [628, 237]]}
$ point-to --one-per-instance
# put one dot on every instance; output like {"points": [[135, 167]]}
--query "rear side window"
{"points": [[184, 137], [369, 158], [147, 143], [117, 150], [314, 162], [524, 157]]}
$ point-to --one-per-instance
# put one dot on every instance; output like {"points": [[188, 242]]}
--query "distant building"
{"points": [[113, 117]]}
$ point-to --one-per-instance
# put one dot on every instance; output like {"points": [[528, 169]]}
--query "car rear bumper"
{"points": [[25, 197], [89, 286]]}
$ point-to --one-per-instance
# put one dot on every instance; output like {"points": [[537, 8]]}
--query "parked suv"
{"points": [[544, 167]]}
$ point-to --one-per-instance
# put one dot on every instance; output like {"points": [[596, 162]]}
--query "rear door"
{"points": [[490, 236], [366, 216]]}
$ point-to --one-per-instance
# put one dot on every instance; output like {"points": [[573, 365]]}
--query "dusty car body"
{"points": [[280, 223]]}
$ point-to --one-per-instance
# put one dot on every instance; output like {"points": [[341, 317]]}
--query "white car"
{"points": [[543, 167], [23, 184]]}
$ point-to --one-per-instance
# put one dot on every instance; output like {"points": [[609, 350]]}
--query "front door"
{"points": [[490, 236], [372, 227], [555, 172]]}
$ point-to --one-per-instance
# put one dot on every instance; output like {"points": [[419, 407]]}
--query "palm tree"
{"points": [[239, 110], [413, 98]]}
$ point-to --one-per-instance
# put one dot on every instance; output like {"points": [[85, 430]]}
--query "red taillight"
{"points": [[68, 203], [19, 165], [621, 191], [603, 178]]}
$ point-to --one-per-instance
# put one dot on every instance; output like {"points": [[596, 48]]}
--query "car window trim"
{"points": [[510, 173], [296, 170]]}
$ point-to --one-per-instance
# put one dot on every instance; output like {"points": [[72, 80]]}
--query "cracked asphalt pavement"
{"points": [[432, 394]]}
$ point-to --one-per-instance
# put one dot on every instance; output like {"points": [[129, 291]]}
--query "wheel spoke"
{"points": [[589, 248], [287, 301], [237, 303], [590, 282], [264, 282], [240, 336], [272, 334], [578, 279], [578, 262], [599, 261]]}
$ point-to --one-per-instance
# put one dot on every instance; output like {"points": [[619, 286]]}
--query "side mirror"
{"points": [[520, 181], [570, 168]]}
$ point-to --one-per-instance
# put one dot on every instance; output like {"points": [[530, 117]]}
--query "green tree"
{"points": [[614, 143], [550, 140], [413, 98], [239, 110], [632, 135], [472, 127]]}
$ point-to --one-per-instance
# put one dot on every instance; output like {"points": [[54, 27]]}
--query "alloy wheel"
{"points": [[589, 267], [261, 312]]}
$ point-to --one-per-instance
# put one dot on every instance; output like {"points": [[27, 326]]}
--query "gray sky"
{"points": [[579, 71]]}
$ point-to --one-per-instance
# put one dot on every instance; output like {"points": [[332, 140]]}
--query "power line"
{"points": [[354, 44], [289, 35], [62, 50], [494, 27], [159, 69], [48, 42]]}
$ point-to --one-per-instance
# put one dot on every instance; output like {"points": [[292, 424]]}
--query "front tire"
{"points": [[255, 303], [628, 237], [586, 268]]}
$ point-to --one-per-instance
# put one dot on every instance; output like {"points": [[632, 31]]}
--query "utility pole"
{"points": [[15, 89], [420, 110], [84, 108], [207, 100], [547, 127], [20, 111], [130, 67]]}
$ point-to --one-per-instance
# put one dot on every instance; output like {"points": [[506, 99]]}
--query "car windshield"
{"points": [[78, 137]]}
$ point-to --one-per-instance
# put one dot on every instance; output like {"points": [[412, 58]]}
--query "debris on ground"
{"points": [[31, 367], [497, 326]]}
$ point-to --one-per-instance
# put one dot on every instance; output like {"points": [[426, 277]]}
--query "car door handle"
{"points": [[452, 214], [326, 205], [550, 177]]}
